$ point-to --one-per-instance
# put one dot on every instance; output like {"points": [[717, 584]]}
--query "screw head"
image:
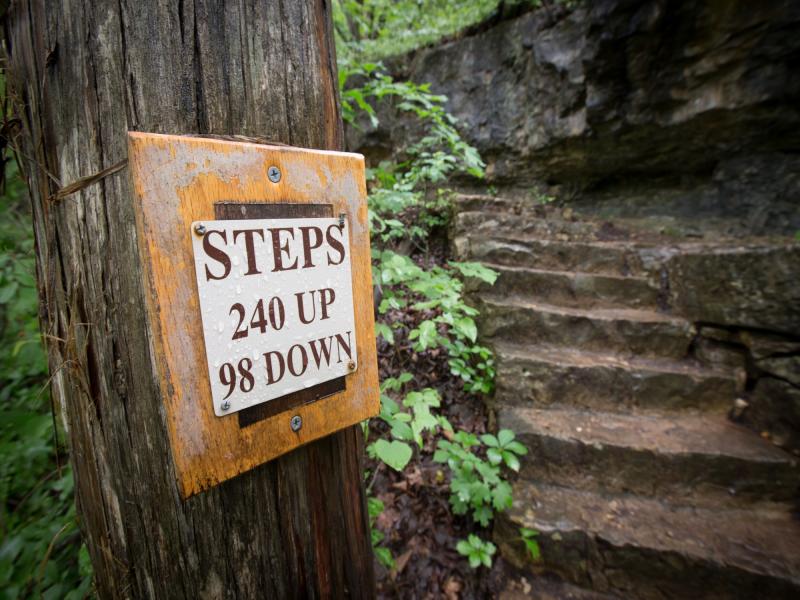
{"points": [[225, 405], [199, 229], [296, 423], [274, 174], [351, 366]]}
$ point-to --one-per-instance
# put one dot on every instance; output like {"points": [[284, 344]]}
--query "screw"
{"points": [[199, 229], [341, 219], [351, 366], [274, 174], [296, 423], [225, 405]]}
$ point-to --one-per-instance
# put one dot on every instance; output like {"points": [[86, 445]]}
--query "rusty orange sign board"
{"points": [[229, 352]]}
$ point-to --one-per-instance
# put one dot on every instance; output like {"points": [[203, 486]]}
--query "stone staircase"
{"points": [[639, 482]]}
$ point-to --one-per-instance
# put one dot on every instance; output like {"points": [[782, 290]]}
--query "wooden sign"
{"points": [[259, 295]]}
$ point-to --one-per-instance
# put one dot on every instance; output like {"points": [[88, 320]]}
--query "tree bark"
{"points": [[81, 73]]}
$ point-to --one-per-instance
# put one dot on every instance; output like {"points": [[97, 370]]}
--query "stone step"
{"points": [[496, 223], [609, 258], [579, 290], [542, 376], [697, 456], [624, 331], [645, 549], [524, 586], [463, 203]]}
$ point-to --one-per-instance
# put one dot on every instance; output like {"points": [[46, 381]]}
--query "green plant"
{"points": [[477, 551], [383, 554], [405, 425], [540, 197], [528, 537], [477, 484], [406, 202], [439, 152], [40, 551], [377, 28], [438, 292], [503, 448]]}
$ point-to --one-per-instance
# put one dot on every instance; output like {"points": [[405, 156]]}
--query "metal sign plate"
{"points": [[276, 300]]}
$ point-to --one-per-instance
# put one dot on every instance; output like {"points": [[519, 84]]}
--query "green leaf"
{"points": [[383, 330], [466, 327], [517, 448], [531, 544], [374, 507], [483, 515], [477, 551], [388, 406], [490, 440], [402, 431], [476, 270], [444, 423], [425, 420], [533, 549], [466, 439], [463, 547], [426, 334], [441, 456], [488, 471], [422, 399], [512, 462], [486, 559], [7, 292], [395, 454], [385, 558], [505, 436], [501, 496], [494, 455], [376, 536]]}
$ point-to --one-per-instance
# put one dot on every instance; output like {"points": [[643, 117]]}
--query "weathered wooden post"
{"points": [[162, 414]]}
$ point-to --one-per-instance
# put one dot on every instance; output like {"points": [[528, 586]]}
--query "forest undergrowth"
{"points": [[415, 531], [436, 476]]}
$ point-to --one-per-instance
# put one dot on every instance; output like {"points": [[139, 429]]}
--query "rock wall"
{"points": [[670, 115], [661, 109]]}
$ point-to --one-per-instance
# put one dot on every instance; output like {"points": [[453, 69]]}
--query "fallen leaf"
{"points": [[400, 485], [451, 588], [401, 563]]}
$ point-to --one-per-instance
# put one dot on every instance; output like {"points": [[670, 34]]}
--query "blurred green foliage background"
{"points": [[40, 550]]}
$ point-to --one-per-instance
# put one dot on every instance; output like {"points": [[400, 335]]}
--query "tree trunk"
{"points": [[82, 73]]}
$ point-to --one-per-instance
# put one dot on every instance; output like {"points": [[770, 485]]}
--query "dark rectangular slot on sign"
{"points": [[227, 211], [262, 411]]}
